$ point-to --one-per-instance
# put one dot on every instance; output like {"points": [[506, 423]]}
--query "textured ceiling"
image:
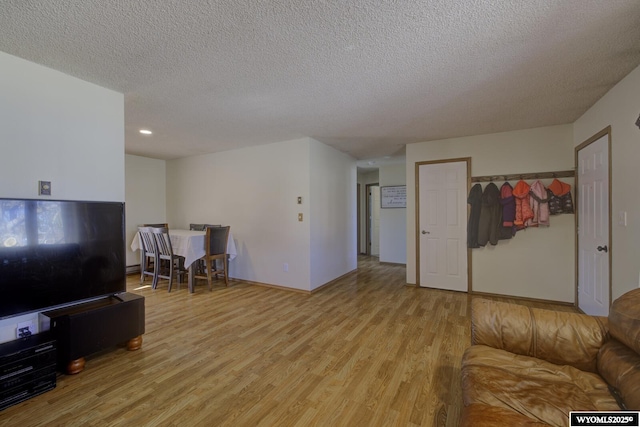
{"points": [[364, 76]]}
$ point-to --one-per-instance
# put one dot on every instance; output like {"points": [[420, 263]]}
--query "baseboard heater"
{"points": [[132, 269]]}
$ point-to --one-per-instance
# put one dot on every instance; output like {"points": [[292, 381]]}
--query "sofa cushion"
{"points": [[532, 387], [624, 319]]}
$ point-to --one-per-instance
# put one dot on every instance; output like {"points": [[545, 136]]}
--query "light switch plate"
{"points": [[44, 188]]}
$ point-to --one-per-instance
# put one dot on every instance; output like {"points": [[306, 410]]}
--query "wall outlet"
{"points": [[622, 218], [25, 329]]}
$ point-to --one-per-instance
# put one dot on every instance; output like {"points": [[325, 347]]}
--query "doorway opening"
{"points": [[372, 246]]}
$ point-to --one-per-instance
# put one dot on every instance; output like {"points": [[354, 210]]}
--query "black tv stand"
{"points": [[86, 328], [27, 368]]}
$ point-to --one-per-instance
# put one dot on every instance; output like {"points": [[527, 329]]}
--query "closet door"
{"points": [[442, 231], [594, 246]]}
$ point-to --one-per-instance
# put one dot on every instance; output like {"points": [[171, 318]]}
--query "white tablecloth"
{"points": [[189, 244]]}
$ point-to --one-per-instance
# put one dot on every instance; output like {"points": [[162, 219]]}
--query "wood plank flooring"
{"points": [[366, 351]]}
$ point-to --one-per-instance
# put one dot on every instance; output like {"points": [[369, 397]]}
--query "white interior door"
{"points": [[593, 227], [442, 225]]}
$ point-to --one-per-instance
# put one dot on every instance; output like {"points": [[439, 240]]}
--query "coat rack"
{"points": [[525, 176]]}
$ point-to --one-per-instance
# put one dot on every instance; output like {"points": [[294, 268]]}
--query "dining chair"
{"points": [[218, 225], [199, 267], [149, 261], [216, 249], [165, 225], [202, 227], [165, 252]]}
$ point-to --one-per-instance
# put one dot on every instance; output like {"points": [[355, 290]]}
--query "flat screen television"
{"points": [[56, 252]]}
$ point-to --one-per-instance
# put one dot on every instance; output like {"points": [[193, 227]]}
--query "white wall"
{"points": [[255, 191], [54, 127], [145, 197], [619, 108], [536, 263], [393, 222], [57, 128], [332, 214]]}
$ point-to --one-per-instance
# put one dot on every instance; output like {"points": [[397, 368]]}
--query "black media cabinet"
{"points": [[27, 368], [87, 328]]}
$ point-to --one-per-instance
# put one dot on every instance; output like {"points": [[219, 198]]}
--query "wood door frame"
{"points": [[367, 202], [359, 216], [594, 138], [417, 213]]}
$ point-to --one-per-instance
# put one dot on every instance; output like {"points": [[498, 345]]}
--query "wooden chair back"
{"points": [[147, 240], [163, 242], [149, 260], [216, 240], [201, 227], [163, 225], [165, 252]]}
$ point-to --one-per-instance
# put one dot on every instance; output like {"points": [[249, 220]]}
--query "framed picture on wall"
{"points": [[393, 196]]}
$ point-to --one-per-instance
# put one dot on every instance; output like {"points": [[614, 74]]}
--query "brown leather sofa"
{"points": [[530, 367]]}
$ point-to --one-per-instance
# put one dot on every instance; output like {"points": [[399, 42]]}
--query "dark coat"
{"points": [[474, 199], [490, 216], [508, 203]]}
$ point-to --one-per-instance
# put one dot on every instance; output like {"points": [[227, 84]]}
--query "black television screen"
{"points": [[55, 252]]}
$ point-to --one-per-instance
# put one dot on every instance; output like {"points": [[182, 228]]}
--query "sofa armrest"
{"points": [[557, 337]]}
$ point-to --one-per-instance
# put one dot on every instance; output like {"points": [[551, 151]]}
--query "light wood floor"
{"points": [[367, 351]]}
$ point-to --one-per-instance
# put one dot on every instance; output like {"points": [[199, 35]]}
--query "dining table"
{"points": [[189, 244]]}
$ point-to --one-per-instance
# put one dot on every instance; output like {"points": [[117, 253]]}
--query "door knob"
{"points": [[425, 232], [602, 248]]}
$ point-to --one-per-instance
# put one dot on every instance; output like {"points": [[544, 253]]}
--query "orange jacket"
{"points": [[524, 213]]}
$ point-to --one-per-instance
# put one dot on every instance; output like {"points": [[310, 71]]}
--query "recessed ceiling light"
{"points": [[145, 132]]}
